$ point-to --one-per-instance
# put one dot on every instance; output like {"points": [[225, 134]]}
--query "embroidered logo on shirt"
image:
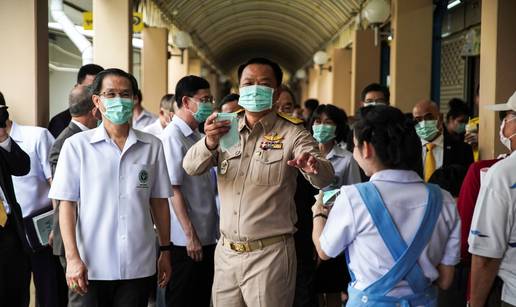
{"points": [[512, 244], [143, 178], [478, 233], [513, 186]]}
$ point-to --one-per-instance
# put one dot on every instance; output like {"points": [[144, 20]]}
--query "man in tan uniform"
{"points": [[255, 262]]}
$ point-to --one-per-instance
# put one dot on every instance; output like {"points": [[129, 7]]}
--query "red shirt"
{"points": [[467, 200]]}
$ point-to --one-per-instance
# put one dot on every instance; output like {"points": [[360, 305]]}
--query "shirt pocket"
{"points": [[266, 167], [141, 178], [228, 165]]}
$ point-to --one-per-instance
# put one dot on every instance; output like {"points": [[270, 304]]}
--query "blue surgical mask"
{"points": [[118, 110], [204, 110], [324, 133], [460, 128], [256, 98]]}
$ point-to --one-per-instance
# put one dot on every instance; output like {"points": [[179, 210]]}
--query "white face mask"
{"points": [[506, 141]]}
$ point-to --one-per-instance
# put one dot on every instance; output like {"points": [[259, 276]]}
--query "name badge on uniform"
{"points": [[272, 141], [224, 167], [143, 179]]}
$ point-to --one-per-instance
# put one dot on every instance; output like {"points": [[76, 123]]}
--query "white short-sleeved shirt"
{"points": [[143, 120], [113, 188], [198, 191], [350, 226], [32, 189], [346, 168], [493, 228], [438, 151], [155, 128]]}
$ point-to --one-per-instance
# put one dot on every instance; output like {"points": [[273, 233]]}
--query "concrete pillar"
{"points": [[24, 60], [313, 82], [497, 74], [154, 67], [112, 43], [365, 65], [342, 79], [411, 52], [176, 70]]}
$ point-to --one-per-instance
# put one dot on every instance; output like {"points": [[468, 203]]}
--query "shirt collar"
{"points": [[100, 134], [396, 175], [15, 133], [439, 141], [144, 113], [267, 122], [337, 151], [182, 125], [80, 125]]}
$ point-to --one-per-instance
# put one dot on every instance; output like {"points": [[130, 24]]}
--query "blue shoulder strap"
{"points": [[406, 266]]}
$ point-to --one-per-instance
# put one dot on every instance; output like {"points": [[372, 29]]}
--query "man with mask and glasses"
{"points": [[438, 150], [492, 238], [194, 218], [255, 261], [113, 188], [375, 94]]}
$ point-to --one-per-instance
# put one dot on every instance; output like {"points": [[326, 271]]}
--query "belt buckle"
{"points": [[238, 247]]}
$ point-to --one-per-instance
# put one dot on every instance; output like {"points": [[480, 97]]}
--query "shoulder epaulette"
{"points": [[239, 111], [294, 120]]}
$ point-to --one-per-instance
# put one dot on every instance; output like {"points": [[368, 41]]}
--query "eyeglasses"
{"points": [[115, 94], [208, 99]]}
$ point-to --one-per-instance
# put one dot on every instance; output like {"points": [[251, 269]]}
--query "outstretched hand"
{"points": [[305, 162]]}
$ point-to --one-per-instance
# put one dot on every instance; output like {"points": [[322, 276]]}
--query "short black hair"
{"points": [[2, 99], [96, 87], [311, 104], [392, 135], [228, 98], [449, 178], [457, 107], [139, 95], [338, 116], [278, 73], [375, 87], [188, 86], [88, 69]]}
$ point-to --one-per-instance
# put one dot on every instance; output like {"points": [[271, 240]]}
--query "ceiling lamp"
{"points": [[182, 41], [376, 12], [320, 58], [301, 74]]}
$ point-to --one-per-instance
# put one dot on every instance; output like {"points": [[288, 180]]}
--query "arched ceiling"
{"points": [[287, 31]]}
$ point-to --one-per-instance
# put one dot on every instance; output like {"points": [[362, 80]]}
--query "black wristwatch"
{"points": [[164, 248]]}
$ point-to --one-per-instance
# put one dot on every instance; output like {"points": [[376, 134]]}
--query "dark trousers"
{"points": [[14, 269], [49, 279], [191, 281], [305, 295], [115, 293]]}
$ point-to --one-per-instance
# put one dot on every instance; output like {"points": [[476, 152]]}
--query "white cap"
{"points": [[509, 105]]}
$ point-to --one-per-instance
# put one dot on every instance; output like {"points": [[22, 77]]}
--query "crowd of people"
{"points": [[254, 200]]}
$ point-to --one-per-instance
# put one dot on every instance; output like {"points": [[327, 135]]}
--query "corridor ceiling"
{"points": [[287, 31]]}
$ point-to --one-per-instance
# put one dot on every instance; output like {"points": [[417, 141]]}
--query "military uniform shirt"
{"points": [[255, 183]]}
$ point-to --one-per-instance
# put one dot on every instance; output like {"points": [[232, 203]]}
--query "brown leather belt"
{"points": [[249, 246]]}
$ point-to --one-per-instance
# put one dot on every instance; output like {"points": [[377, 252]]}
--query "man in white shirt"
{"points": [[115, 178], [194, 216], [141, 117], [166, 113], [32, 195], [492, 238]]}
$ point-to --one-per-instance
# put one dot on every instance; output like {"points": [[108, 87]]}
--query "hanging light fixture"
{"points": [[181, 40], [321, 58], [376, 12], [301, 74]]}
